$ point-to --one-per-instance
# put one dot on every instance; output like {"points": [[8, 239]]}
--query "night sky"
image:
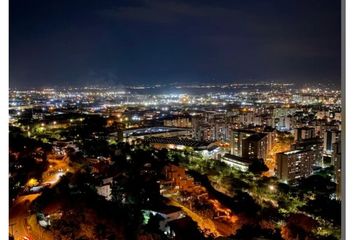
{"points": [[86, 42]]}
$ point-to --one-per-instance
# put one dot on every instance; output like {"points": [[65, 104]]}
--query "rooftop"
{"points": [[237, 159], [256, 137], [243, 130], [297, 151], [150, 130], [178, 141]]}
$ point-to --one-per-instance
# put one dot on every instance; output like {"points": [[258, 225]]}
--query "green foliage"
{"points": [[258, 166], [96, 147], [249, 232], [318, 184], [326, 208]]}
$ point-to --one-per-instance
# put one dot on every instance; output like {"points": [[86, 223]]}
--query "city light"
{"points": [[32, 182], [175, 120]]}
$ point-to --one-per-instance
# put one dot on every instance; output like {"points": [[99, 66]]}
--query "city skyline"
{"points": [[248, 163], [166, 119]]}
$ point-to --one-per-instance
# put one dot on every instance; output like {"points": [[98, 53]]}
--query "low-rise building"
{"points": [[177, 178], [131, 135], [239, 163], [105, 188]]}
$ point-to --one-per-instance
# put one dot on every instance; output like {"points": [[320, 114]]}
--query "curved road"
{"points": [[19, 214]]}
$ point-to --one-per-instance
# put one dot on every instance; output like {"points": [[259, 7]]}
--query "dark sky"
{"points": [[85, 42]]}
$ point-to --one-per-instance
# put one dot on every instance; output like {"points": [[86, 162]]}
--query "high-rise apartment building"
{"points": [[303, 133], [295, 164]]}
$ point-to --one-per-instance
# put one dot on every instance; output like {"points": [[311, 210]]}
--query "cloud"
{"points": [[166, 12]]}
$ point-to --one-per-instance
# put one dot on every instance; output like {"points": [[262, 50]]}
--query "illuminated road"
{"points": [[57, 168], [206, 225], [19, 214], [223, 221], [212, 227], [271, 159]]}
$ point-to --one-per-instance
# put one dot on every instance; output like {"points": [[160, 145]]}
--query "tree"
{"points": [[253, 232], [100, 231], [96, 147], [243, 202], [32, 182], [299, 226], [330, 237], [153, 226], [234, 183], [318, 184], [325, 207], [162, 154], [258, 166], [64, 229]]}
